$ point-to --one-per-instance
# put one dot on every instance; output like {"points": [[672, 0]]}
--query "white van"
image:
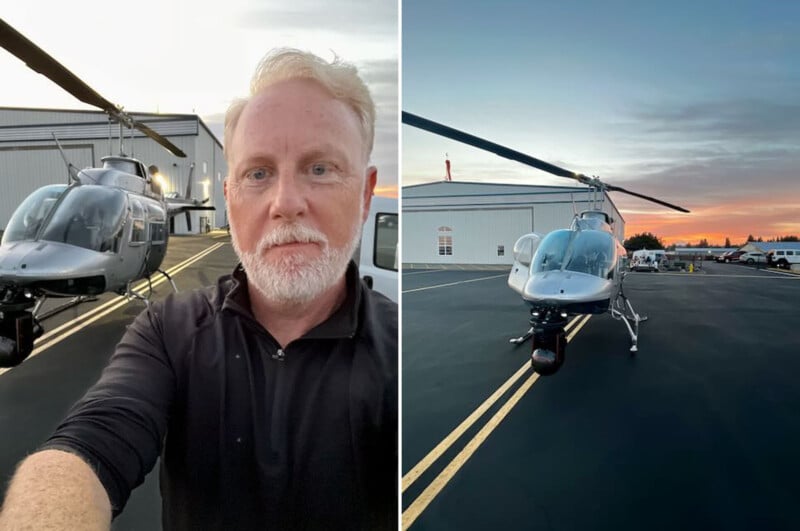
{"points": [[783, 258], [647, 260], [377, 255]]}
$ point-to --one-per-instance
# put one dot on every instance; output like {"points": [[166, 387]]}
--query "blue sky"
{"points": [[697, 103]]}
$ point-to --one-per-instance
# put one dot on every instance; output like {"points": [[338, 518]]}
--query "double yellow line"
{"points": [[72, 327], [431, 491]]}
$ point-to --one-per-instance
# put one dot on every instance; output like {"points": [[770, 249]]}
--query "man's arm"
{"points": [[55, 490]]}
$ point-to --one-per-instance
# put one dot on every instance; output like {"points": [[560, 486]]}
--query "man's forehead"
{"points": [[296, 96], [299, 112]]}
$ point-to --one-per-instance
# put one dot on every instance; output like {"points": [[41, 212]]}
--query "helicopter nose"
{"points": [[54, 266], [557, 286]]}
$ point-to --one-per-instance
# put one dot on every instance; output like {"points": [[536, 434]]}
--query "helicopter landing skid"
{"points": [[622, 309], [131, 293], [523, 338]]}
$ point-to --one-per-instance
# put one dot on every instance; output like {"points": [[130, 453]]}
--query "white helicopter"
{"points": [[566, 272], [104, 230]]}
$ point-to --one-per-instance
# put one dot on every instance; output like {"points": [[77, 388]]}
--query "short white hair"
{"points": [[340, 79]]}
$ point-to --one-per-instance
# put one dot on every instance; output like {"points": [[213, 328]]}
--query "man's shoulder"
{"points": [[196, 306], [379, 311], [379, 327]]}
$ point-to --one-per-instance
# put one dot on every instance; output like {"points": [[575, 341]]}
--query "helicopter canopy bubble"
{"points": [[29, 215], [88, 216], [584, 251]]}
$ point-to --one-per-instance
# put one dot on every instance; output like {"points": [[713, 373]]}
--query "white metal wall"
{"points": [[476, 235], [483, 216]]}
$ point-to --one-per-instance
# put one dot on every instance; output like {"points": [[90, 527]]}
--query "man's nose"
{"points": [[289, 200]]}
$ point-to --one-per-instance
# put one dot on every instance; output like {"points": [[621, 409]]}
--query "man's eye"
{"points": [[319, 170], [256, 174]]}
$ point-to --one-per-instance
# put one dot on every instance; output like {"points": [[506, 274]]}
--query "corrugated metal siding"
{"points": [[25, 166], [91, 130], [23, 171]]}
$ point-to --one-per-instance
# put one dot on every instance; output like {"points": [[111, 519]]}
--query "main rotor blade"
{"points": [[169, 146], [497, 149], [466, 138], [40, 61], [613, 188]]}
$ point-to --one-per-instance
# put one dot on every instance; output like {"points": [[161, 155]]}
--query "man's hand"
{"points": [[55, 490]]}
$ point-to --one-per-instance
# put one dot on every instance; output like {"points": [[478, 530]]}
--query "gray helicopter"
{"points": [[104, 230], [566, 272]]}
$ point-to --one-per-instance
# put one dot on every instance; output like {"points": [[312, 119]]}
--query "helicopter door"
{"points": [[156, 222]]}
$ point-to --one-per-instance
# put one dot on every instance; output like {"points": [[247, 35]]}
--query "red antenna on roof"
{"points": [[447, 165]]}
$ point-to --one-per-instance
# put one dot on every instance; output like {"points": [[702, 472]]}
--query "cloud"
{"points": [[347, 17], [725, 121], [700, 154]]}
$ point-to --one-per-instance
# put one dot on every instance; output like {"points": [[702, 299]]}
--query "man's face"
{"points": [[298, 189]]}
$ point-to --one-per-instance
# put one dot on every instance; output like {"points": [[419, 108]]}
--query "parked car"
{"points": [[783, 258], [730, 256], [753, 258]]}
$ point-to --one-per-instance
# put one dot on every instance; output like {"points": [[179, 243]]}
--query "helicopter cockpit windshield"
{"points": [[582, 251], [90, 217], [28, 217]]}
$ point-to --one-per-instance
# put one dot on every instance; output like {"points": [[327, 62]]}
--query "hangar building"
{"points": [[29, 158], [452, 222]]}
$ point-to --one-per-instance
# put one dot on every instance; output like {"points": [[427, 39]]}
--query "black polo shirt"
{"points": [[254, 436]]}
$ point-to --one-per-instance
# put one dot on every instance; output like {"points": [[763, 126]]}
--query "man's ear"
{"points": [[369, 190], [225, 188]]}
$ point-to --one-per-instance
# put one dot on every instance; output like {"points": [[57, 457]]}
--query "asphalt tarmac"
{"points": [[699, 430], [36, 395]]}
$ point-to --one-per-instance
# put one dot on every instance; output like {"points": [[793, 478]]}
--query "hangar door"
{"points": [[480, 236]]}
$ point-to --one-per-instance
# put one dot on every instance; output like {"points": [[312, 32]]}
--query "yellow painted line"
{"points": [[421, 503], [432, 456], [455, 283], [48, 340], [431, 491]]}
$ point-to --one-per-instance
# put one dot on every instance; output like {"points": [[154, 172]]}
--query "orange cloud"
{"points": [[387, 191], [735, 219]]}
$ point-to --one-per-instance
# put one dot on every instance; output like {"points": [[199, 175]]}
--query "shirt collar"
{"points": [[344, 321]]}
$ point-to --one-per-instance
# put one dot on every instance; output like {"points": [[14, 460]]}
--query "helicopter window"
{"points": [[550, 254], [157, 232], [137, 233], [27, 219], [592, 252], [88, 216]]}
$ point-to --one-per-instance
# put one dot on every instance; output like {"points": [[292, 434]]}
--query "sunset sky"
{"points": [[180, 56], [696, 103]]}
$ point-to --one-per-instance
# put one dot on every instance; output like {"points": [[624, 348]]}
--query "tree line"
{"points": [[648, 240]]}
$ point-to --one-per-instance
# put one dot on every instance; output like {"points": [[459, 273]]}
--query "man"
{"points": [[271, 398]]}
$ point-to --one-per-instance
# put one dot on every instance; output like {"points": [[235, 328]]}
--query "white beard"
{"points": [[293, 279]]}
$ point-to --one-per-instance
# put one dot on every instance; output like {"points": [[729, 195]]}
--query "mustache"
{"points": [[291, 233]]}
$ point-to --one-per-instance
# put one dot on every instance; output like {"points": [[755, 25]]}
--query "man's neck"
{"points": [[287, 322]]}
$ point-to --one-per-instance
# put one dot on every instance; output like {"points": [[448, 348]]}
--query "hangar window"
{"points": [[501, 250], [445, 241]]}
